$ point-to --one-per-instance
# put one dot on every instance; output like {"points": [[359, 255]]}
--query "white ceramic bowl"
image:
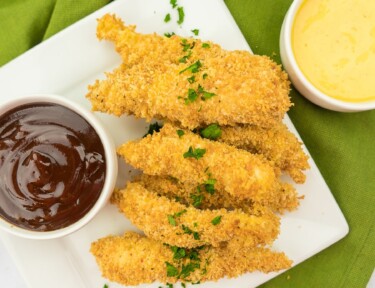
{"points": [[303, 85], [111, 166]]}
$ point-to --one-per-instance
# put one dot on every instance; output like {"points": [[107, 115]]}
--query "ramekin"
{"points": [[111, 166], [300, 82]]}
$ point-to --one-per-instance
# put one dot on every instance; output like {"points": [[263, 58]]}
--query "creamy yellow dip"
{"points": [[334, 45]]}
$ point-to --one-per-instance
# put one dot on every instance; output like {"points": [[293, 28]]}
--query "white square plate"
{"points": [[69, 61]]}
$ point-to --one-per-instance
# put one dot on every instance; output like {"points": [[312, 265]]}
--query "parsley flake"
{"points": [[178, 253], [192, 96], [197, 199], [191, 79], [216, 220], [167, 18], [188, 231], [188, 268], [178, 214], [171, 220], [206, 95], [195, 32], [205, 45], [204, 76], [171, 270], [180, 133], [212, 132], [193, 68], [183, 285], [169, 35], [209, 185], [154, 127], [105, 286], [194, 153], [173, 3], [181, 15]]}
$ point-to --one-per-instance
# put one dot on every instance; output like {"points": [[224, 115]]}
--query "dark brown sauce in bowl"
{"points": [[52, 166]]}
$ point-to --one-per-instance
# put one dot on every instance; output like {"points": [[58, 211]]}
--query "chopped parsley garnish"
{"points": [[209, 185], [183, 59], [167, 18], [154, 127], [193, 68], [206, 95], [178, 253], [181, 15], [196, 236], [191, 79], [197, 199], [212, 132], [171, 270], [205, 45], [172, 218], [173, 3], [105, 286], [169, 285], [188, 231], [188, 268], [204, 76], [195, 32], [216, 220], [180, 133], [178, 214], [187, 46], [186, 261], [194, 153], [192, 96], [169, 35], [183, 285]]}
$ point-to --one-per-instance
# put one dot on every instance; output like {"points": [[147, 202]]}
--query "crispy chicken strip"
{"points": [[189, 193], [176, 224], [235, 171], [153, 81], [277, 144], [132, 259]]}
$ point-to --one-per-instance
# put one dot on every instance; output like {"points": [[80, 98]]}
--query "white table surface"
{"points": [[9, 275]]}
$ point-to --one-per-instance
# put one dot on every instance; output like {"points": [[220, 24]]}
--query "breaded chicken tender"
{"points": [[133, 259], [277, 144], [238, 172], [225, 87], [189, 193], [176, 224]]}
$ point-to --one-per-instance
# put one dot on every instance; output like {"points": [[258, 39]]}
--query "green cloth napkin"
{"points": [[342, 145]]}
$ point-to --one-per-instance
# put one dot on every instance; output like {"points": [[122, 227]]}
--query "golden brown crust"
{"points": [[188, 194], [277, 144], [238, 172], [133, 259], [149, 212], [249, 88]]}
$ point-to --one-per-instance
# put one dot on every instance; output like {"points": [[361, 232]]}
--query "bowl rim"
{"points": [[314, 93], [111, 165]]}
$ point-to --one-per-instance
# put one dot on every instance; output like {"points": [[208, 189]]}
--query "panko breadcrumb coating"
{"points": [[249, 89], [176, 224], [189, 193], [236, 171], [132, 259], [277, 144]]}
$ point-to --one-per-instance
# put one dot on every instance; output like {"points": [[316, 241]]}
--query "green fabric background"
{"points": [[342, 145]]}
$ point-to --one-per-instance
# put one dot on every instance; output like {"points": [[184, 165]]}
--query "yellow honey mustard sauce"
{"points": [[334, 45]]}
